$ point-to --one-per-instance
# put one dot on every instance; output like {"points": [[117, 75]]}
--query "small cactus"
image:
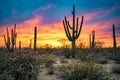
{"points": [[35, 37], [93, 39], [30, 43], [90, 40], [114, 40], [19, 45]]}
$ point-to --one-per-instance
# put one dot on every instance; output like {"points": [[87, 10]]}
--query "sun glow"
{"points": [[51, 34]]}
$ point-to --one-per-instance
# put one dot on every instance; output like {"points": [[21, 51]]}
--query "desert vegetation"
{"points": [[64, 63]]}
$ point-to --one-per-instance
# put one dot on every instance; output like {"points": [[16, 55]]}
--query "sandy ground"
{"points": [[44, 76]]}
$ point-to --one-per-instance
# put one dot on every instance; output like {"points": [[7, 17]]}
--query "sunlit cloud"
{"points": [[51, 33]]}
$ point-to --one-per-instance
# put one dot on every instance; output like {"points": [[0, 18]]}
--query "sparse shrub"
{"points": [[66, 52], [50, 70], [83, 71], [116, 69], [85, 56], [62, 60], [19, 66], [46, 59], [101, 61]]}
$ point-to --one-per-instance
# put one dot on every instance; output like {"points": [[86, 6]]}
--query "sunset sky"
{"points": [[47, 15]]}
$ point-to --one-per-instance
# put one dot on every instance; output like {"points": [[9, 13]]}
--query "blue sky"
{"points": [[15, 11], [99, 15]]}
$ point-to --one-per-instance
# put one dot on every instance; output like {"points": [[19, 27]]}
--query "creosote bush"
{"points": [[83, 71]]}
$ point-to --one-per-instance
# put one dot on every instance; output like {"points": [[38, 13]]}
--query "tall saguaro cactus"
{"points": [[35, 37], [114, 40], [11, 44], [75, 31], [93, 38]]}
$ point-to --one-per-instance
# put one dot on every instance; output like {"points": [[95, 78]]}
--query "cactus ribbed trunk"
{"points": [[73, 49], [35, 37], [74, 29], [114, 40]]}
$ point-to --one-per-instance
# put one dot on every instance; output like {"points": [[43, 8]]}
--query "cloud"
{"points": [[46, 7], [50, 33]]}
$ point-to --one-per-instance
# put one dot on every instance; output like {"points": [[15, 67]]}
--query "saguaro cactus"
{"points": [[74, 29], [114, 40], [13, 39], [35, 37], [30, 43], [19, 45], [93, 38], [90, 40], [7, 40]]}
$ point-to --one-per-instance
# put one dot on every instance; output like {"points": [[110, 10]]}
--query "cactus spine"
{"points": [[35, 37], [13, 39], [114, 40], [75, 30], [93, 39]]}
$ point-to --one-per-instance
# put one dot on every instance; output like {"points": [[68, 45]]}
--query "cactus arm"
{"points": [[80, 28], [76, 31], [7, 33], [5, 40], [69, 25], [67, 31]]}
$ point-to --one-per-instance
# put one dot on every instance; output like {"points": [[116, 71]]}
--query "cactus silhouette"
{"points": [[74, 28], [13, 39], [90, 40], [114, 40], [19, 45], [7, 40], [93, 39], [30, 43], [35, 37]]}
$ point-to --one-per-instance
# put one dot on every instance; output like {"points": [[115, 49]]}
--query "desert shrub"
{"points": [[63, 60], [66, 52], [83, 71], [50, 70], [101, 60], [46, 59], [116, 69], [18, 66]]}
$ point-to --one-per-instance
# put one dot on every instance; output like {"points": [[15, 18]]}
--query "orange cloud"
{"points": [[52, 33]]}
